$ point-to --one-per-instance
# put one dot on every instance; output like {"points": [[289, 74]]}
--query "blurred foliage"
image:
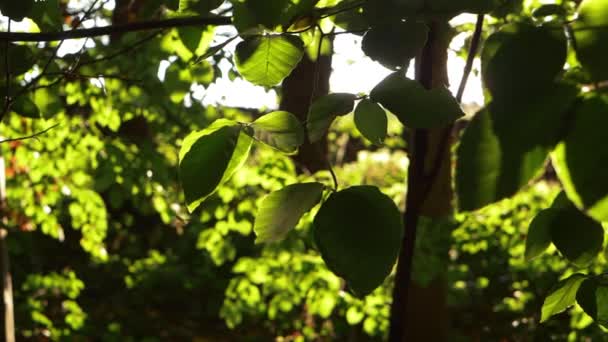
{"points": [[103, 248]]}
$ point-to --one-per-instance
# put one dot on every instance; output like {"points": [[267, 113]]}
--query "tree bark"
{"points": [[419, 313], [7, 282], [297, 92]]}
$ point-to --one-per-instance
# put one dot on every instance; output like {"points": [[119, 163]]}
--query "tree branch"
{"points": [[112, 29]]}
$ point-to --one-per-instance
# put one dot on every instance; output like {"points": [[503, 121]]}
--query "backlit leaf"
{"points": [[209, 157], [281, 210], [591, 34], [280, 130], [267, 60], [581, 160], [562, 296]]}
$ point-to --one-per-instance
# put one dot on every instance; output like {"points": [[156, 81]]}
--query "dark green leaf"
{"points": [[371, 121], [562, 296], [592, 296], [252, 13], [20, 59], [281, 130], [24, 106], [325, 110], [358, 232], [549, 10], [415, 106], [190, 37], [591, 34], [394, 44], [506, 145], [209, 157], [47, 15], [578, 237], [581, 160], [267, 60], [199, 6], [281, 210], [539, 233], [16, 9], [522, 59]]}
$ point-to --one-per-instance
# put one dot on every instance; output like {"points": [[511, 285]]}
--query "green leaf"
{"points": [[20, 60], [581, 160], [199, 6], [16, 9], [358, 232], [371, 121], [267, 60], [47, 15], [24, 106], [592, 296], [591, 35], [324, 111], [280, 130], [190, 37], [562, 296], [415, 106], [539, 233], [549, 10], [536, 53], [578, 237], [395, 44], [252, 13], [281, 210], [209, 157], [506, 145]]}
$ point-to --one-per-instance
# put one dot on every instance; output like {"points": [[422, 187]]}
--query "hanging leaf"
{"points": [[20, 60], [190, 37], [562, 296], [506, 145], [280, 130], [592, 296], [581, 161], [280, 211], [324, 111], [209, 157], [522, 59], [394, 44], [539, 233], [591, 35], [578, 237], [358, 232], [415, 106], [267, 60], [371, 121], [24, 106], [16, 9]]}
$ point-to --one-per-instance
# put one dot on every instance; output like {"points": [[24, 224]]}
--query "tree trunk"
{"points": [[419, 312], [7, 282], [297, 91]]}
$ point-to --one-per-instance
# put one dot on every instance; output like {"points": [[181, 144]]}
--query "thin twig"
{"points": [[124, 50], [33, 136], [7, 71], [475, 40], [114, 29]]}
